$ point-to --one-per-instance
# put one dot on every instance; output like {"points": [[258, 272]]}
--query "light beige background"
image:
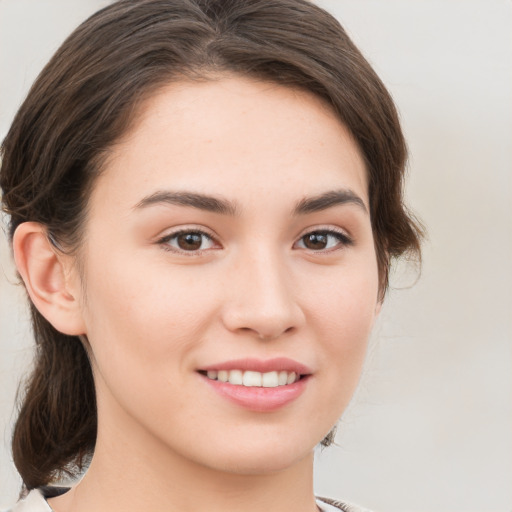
{"points": [[431, 428]]}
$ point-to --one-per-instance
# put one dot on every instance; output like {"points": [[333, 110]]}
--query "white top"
{"points": [[36, 502]]}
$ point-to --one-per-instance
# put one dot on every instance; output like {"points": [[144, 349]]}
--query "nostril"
{"points": [[265, 322]]}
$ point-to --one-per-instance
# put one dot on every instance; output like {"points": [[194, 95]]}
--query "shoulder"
{"points": [[329, 505], [35, 500]]}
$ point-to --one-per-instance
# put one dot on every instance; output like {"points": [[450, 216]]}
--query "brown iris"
{"points": [[189, 241], [315, 241]]}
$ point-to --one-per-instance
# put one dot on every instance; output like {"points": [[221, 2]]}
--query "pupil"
{"points": [[315, 241], [190, 241]]}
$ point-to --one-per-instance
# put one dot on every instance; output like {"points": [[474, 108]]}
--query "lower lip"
{"points": [[258, 398]]}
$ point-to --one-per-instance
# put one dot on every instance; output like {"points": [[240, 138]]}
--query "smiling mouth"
{"points": [[249, 378]]}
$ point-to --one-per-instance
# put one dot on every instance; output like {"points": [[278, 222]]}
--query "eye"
{"points": [[188, 241], [323, 240]]}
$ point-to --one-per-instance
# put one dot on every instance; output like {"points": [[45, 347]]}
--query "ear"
{"points": [[49, 277]]}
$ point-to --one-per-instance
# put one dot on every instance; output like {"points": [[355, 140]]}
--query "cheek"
{"points": [[343, 317], [141, 314], [142, 331], [347, 302]]}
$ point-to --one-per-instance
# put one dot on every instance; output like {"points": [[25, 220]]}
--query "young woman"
{"points": [[205, 198]]}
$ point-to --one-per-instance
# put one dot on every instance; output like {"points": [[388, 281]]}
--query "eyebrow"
{"points": [[192, 199], [328, 200], [226, 207]]}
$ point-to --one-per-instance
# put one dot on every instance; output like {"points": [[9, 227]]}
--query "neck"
{"points": [[154, 478]]}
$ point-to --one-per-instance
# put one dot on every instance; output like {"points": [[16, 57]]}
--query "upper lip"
{"points": [[261, 365]]}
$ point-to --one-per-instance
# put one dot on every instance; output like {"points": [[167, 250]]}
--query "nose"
{"points": [[262, 297]]}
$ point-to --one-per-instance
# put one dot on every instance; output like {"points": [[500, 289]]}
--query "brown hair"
{"points": [[84, 100]]}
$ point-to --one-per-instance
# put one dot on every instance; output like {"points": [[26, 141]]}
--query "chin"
{"points": [[260, 456]]}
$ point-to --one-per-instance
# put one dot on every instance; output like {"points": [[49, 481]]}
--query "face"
{"points": [[229, 240]]}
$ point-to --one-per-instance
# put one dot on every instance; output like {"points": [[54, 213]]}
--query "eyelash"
{"points": [[343, 241], [164, 241]]}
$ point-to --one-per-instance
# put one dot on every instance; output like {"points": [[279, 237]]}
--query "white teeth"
{"points": [[236, 377], [270, 380], [254, 379], [282, 379]]}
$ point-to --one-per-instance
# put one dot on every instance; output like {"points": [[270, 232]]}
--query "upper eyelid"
{"points": [[326, 229], [164, 239], [187, 229]]}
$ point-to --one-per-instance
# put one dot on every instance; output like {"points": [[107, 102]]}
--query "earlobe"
{"points": [[46, 274]]}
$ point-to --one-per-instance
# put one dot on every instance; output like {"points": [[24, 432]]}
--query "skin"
{"points": [[154, 314]]}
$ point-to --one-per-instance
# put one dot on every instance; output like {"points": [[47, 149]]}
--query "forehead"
{"points": [[234, 133]]}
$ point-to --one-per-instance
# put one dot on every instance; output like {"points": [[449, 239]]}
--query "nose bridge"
{"points": [[263, 300]]}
